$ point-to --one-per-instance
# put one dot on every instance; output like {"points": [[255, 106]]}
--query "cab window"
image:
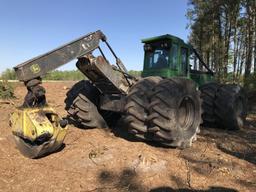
{"points": [[158, 58], [174, 56]]}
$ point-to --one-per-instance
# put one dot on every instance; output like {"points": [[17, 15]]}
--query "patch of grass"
{"points": [[6, 90]]}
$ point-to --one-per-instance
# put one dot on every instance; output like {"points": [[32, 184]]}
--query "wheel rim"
{"points": [[186, 113]]}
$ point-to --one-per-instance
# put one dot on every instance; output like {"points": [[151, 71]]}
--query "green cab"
{"points": [[169, 56]]}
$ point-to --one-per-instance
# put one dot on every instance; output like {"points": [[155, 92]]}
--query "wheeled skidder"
{"points": [[164, 105]]}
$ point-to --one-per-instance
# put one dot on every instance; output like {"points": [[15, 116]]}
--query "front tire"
{"points": [[136, 108], [175, 112]]}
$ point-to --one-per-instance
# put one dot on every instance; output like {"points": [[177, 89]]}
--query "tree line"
{"points": [[72, 75], [224, 32]]}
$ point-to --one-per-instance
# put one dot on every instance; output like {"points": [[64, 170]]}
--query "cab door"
{"points": [[184, 61]]}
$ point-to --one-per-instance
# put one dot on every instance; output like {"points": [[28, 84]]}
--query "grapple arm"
{"points": [[39, 66]]}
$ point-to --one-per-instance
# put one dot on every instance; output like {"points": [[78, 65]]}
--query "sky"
{"points": [[29, 28]]}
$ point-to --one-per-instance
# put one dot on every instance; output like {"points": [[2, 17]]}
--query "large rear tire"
{"points": [[230, 107], [136, 108], [175, 112], [208, 96], [82, 106]]}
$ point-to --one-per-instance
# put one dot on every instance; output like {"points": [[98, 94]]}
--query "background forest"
{"points": [[224, 33]]}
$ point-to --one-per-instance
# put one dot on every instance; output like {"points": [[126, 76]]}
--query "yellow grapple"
{"points": [[37, 131]]}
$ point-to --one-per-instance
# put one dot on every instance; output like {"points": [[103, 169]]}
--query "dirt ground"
{"points": [[110, 160]]}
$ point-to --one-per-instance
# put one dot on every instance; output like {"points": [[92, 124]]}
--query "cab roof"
{"points": [[163, 37]]}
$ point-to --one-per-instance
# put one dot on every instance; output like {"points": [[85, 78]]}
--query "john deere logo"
{"points": [[35, 68]]}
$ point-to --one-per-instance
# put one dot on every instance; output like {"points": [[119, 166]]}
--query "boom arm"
{"points": [[39, 66], [32, 71]]}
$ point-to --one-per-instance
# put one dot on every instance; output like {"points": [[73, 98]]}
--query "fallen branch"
{"points": [[7, 102]]}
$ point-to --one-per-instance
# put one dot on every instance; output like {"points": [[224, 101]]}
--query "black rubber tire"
{"points": [[175, 112], [136, 107], [82, 106], [230, 107], [110, 117], [208, 96]]}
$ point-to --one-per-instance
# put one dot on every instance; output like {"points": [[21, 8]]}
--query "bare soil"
{"points": [[111, 160]]}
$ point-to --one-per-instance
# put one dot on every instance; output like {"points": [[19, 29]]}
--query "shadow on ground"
{"points": [[120, 130], [127, 180], [240, 144], [211, 189]]}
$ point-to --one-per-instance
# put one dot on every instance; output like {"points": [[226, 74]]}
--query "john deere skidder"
{"points": [[164, 105]]}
